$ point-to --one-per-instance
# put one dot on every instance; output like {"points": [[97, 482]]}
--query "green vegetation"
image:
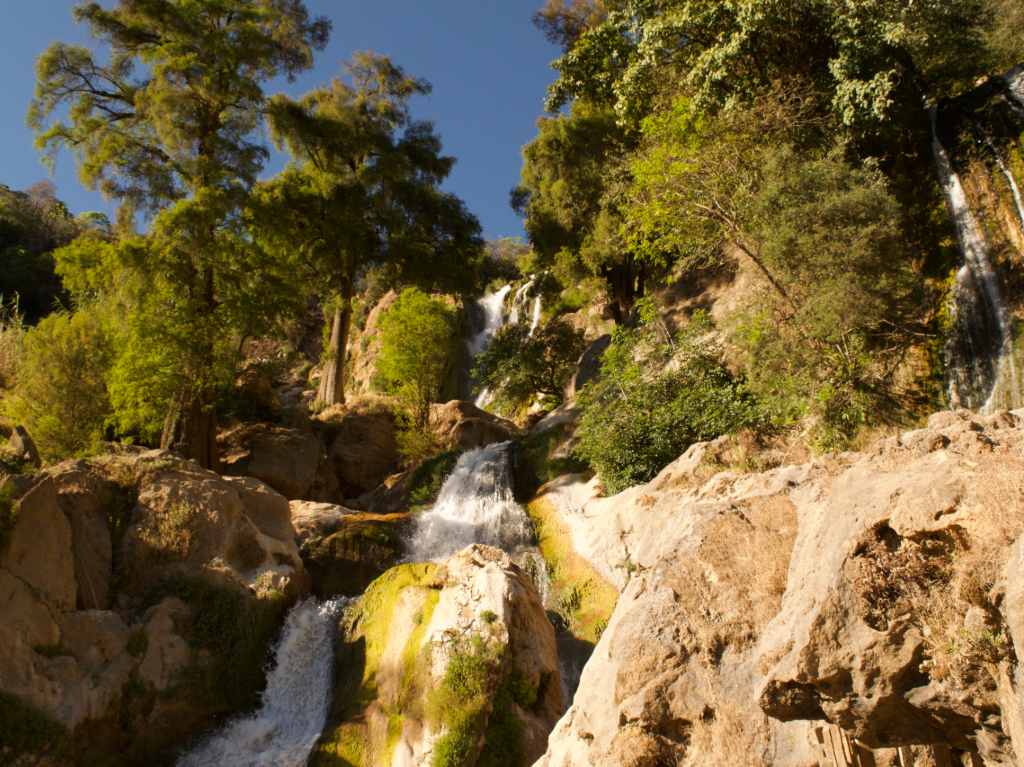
{"points": [[519, 366], [362, 192], [61, 394], [429, 476], [657, 394], [585, 599], [25, 730], [417, 336], [237, 630]]}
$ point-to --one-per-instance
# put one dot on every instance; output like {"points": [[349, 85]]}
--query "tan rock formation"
{"points": [[877, 592], [462, 425], [286, 459], [459, 653]]}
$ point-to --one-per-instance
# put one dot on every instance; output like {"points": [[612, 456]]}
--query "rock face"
{"points": [[343, 550], [132, 588], [878, 592], [286, 459], [462, 425], [363, 445], [439, 662]]}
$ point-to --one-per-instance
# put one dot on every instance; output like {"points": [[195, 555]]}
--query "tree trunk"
{"points": [[190, 428], [332, 378]]}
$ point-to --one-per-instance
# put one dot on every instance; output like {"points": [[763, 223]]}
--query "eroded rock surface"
{"points": [[435, 658], [879, 592]]}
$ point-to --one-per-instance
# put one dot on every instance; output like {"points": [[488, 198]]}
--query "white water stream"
{"points": [[983, 372], [495, 318], [475, 505], [283, 732]]}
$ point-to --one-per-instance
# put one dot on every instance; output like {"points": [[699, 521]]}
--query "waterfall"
{"points": [[983, 373], [535, 320], [1013, 188], [493, 306], [475, 505], [283, 732], [1015, 85]]}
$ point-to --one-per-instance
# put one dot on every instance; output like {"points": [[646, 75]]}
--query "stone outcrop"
{"points": [[875, 593], [132, 587], [442, 660], [362, 440], [345, 550], [286, 459], [461, 425]]}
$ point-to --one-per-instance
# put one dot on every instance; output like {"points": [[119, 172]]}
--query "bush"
{"points": [[655, 397], [61, 394], [418, 335], [12, 339], [25, 730], [518, 366]]}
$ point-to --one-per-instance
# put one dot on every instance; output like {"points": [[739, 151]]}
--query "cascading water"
{"points": [[493, 307], [983, 372], [475, 505], [295, 703], [1013, 188]]}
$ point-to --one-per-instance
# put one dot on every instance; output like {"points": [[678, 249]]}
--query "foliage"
{"points": [[504, 261], [654, 398], [417, 337], [519, 364], [570, 193], [61, 394], [363, 192], [168, 124], [26, 730], [32, 225], [12, 340], [868, 60], [429, 476]]}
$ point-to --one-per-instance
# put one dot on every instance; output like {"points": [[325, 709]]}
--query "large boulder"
{"points": [[345, 550], [439, 661], [461, 425], [139, 595], [363, 440], [870, 600], [286, 459]]}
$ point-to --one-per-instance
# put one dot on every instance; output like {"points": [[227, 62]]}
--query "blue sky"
{"points": [[489, 67]]}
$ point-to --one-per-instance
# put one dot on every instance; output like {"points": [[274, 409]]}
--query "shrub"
{"points": [[61, 393], [519, 365], [430, 475], [12, 338], [417, 335], [655, 397]]}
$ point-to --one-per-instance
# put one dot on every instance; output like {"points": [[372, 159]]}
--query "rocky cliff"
{"points": [[875, 595]]}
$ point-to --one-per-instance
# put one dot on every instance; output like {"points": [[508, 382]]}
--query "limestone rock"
{"points": [[588, 367], [462, 425], [876, 592], [286, 459], [363, 445], [344, 550], [478, 609]]}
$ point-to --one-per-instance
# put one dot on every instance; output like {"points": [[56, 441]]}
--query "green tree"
{"points": [[570, 194], [169, 125], [61, 395], [642, 412], [363, 193], [417, 336], [519, 365]]}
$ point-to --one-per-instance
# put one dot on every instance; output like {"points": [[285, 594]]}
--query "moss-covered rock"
{"points": [[363, 547], [445, 665]]}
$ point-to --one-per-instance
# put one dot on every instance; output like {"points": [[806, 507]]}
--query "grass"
{"points": [[585, 599]]}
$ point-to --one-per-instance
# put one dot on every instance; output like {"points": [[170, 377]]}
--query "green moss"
{"points": [[347, 741], [26, 730], [429, 476], [236, 629], [585, 599]]}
